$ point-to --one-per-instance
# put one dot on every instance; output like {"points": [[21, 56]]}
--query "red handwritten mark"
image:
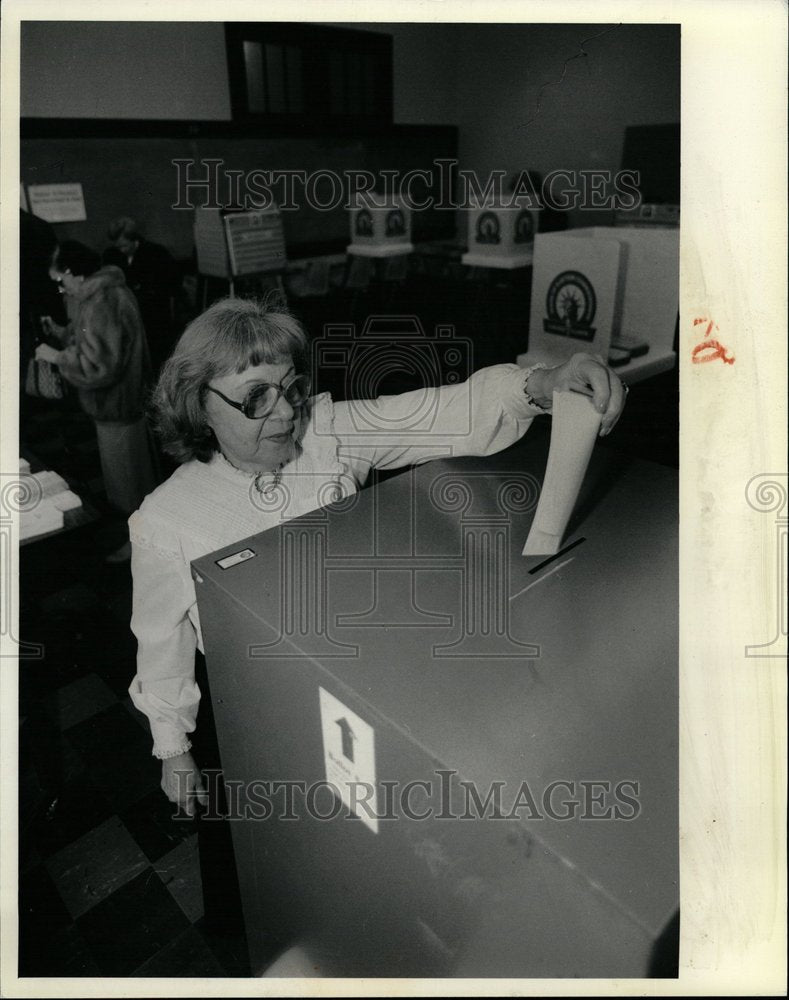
{"points": [[717, 350]]}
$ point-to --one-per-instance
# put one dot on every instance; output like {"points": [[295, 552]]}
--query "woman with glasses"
{"points": [[233, 406]]}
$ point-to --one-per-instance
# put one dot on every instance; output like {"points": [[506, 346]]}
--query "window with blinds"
{"points": [[309, 74]]}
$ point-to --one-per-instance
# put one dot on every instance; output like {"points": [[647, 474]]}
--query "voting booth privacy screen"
{"points": [[600, 289]]}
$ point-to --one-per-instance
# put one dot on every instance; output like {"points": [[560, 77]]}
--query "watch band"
{"points": [[526, 376]]}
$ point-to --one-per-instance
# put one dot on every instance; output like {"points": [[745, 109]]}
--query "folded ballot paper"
{"points": [[574, 428], [47, 497]]}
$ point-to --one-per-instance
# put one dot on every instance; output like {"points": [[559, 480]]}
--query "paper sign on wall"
{"points": [[349, 755], [57, 202]]}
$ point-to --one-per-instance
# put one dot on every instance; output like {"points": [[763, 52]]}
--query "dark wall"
{"points": [[136, 176]]}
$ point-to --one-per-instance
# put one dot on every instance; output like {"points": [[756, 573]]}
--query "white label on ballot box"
{"points": [[349, 753], [235, 558]]}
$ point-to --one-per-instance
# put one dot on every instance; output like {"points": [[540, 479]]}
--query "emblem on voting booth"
{"points": [[570, 305], [395, 223], [575, 297], [381, 226], [488, 228], [614, 288], [364, 223], [500, 235], [524, 227]]}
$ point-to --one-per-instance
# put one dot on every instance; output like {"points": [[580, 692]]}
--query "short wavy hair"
{"points": [[230, 336]]}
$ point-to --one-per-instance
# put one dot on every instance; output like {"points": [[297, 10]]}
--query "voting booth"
{"points": [[607, 291], [381, 227], [450, 759], [500, 235]]}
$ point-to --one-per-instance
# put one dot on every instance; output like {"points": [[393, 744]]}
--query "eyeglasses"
{"points": [[261, 400]]}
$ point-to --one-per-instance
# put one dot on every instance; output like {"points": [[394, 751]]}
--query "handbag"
{"points": [[44, 380]]}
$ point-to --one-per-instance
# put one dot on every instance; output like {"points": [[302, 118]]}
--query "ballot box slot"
{"points": [[542, 579], [553, 558]]}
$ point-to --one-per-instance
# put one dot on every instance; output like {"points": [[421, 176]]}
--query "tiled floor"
{"points": [[109, 881]]}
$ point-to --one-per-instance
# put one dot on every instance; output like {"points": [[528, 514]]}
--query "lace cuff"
{"points": [[184, 747], [527, 373]]}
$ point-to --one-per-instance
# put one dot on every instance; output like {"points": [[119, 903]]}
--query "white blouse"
{"points": [[204, 506]]}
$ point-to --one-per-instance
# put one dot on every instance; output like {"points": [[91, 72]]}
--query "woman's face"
{"points": [[68, 283], [253, 445]]}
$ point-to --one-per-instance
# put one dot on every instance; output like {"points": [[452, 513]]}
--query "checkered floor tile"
{"points": [[109, 879]]}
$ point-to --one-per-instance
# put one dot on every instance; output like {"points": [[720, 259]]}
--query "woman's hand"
{"points": [[586, 374], [46, 353], [182, 782]]}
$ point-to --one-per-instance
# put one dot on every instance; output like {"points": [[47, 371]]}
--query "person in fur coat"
{"points": [[105, 357]]}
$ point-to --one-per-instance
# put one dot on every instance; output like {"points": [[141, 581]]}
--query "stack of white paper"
{"points": [[50, 498], [50, 483], [66, 501], [42, 518]]}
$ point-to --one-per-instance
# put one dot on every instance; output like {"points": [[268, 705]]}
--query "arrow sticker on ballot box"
{"points": [[348, 736], [349, 757]]}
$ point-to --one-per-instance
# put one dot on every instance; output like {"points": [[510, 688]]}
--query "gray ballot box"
{"points": [[444, 758]]}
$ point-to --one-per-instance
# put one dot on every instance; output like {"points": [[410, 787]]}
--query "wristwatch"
{"points": [[529, 398]]}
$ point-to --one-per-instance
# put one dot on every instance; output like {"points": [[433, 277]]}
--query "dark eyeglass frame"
{"points": [[282, 390]]}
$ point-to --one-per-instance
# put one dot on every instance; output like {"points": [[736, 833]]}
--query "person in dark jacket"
{"points": [[106, 359], [152, 276], [37, 295]]}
